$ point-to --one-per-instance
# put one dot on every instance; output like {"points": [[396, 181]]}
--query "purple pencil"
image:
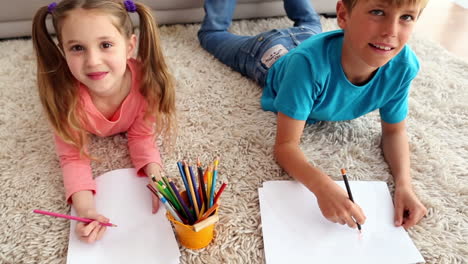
{"points": [[182, 202]]}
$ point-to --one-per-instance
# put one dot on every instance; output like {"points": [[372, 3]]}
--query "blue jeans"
{"points": [[247, 54]]}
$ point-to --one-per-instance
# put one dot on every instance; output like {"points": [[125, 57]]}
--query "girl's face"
{"points": [[95, 51]]}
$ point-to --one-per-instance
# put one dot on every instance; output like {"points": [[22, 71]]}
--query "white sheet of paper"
{"points": [[140, 236], [295, 231]]}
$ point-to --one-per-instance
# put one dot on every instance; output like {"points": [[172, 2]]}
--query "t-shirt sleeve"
{"points": [[141, 143], [295, 88], [395, 109], [76, 170]]}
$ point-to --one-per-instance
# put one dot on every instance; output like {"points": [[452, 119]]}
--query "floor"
{"points": [[446, 22]]}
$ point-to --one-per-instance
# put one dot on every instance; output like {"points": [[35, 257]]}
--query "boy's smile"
{"points": [[375, 32]]}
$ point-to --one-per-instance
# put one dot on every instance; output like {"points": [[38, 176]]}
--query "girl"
{"points": [[89, 83]]}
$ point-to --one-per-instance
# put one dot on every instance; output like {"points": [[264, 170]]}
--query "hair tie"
{"points": [[130, 6], [51, 7]]}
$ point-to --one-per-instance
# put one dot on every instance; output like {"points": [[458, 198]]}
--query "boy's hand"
{"points": [[408, 209], [93, 231], [337, 207]]}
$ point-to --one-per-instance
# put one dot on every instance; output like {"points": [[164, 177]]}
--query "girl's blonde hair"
{"points": [[58, 89], [351, 3]]}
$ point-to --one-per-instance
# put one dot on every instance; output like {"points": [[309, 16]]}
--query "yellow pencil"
{"points": [[191, 191]]}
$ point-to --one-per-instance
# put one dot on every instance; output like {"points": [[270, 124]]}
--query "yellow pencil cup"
{"points": [[188, 237], [186, 234]]}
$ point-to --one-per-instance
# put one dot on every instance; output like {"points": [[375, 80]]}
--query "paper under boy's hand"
{"points": [[337, 207], [408, 209], [93, 231]]}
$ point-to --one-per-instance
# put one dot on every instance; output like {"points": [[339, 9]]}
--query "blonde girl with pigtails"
{"points": [[90, 83]]}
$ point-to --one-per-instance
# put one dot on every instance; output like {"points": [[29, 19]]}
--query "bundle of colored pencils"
{"points": [[202, 199]]}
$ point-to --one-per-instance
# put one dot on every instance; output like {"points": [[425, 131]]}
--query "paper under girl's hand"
{"points": [[408, 209], [93, 231], [337, 207]]}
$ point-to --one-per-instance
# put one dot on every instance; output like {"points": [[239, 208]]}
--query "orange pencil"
{"points": [[191, 191], [208, 213]]}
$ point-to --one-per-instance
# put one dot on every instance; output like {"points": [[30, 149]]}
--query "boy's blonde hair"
{"points": [[58, 90], [351, 3]]}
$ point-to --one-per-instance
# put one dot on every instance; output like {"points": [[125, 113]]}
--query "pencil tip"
{"points": [[343, 171]]}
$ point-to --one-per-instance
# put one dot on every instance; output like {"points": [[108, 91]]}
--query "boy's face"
{"points": [[375, 31]]}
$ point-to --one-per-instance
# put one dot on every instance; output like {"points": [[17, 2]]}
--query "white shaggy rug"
{"points": [[219, 115]]}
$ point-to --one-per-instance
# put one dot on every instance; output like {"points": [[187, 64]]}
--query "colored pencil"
{"points": [[70, 217], [202, 183], [191, 191], [213, 182], [169, 208], [195, 188], [182, 202], [221, 189], [177, 204], [184, 179], [348, 189], [208, 221], [207, 213]]}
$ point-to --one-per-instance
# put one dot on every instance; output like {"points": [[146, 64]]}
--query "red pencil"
{"points": [[76, 218], [221, 189]]}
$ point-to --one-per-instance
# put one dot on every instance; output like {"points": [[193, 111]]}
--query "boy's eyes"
{"points": [[407, 17], [378, 12], [106, 45]]}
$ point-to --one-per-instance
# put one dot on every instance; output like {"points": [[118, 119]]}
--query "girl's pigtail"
{"points": [[55, 83], [158, 85]]}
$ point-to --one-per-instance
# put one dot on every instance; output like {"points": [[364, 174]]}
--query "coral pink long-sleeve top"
{"points": [[77, 174]]}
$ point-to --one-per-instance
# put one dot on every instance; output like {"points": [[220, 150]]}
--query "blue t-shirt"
{"points": [[308, 83]]}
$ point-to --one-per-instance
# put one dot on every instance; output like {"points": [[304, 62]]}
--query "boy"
{"points": [[331, 76]]}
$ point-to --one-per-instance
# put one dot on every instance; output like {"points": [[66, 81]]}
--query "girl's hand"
{"points": [[337, 207], [93, 231], [155, 200], [408, 209], [154, 170]]}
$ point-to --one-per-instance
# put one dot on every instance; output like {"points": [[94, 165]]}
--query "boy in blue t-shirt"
{"points": [[332, 76]]}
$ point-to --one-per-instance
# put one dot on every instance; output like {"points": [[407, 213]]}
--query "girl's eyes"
{"points": [[77, 48]]}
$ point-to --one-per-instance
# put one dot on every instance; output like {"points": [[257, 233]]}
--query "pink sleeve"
{"points": [[77, 174], [141, 144]]}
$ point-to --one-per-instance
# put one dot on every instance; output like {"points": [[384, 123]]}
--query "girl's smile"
{"points": [[96, 76]]}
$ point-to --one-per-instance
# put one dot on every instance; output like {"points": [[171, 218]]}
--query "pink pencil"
{"points": [[86, 220]]}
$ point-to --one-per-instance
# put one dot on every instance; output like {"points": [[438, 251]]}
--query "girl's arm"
{"points": [[333, 200], [408, 209], [83, 202]]}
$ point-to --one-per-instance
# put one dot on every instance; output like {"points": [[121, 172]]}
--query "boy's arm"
{"points": [[333, 200], [396, 152]]}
